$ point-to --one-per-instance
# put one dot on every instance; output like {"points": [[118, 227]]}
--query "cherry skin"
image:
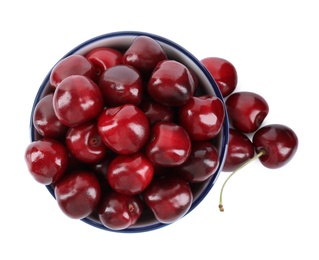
{"points": [[277, 142], [119, 211], [171, 83], [168, 145], [47, 160], [77, 100], [45, 120], [202, 117], [144, 54], [121, 85], [246, 111], [169, 198], [240, 149], [201, 164], [72, 65], [124, 129], [85, 144], [130, 174], [223, 72]]}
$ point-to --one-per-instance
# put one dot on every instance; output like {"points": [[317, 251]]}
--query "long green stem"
{"points": [[221, 207]]}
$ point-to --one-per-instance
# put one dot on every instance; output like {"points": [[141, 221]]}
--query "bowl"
{"points": [[122, 40]]}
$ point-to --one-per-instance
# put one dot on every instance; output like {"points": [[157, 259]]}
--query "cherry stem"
{"points": [[221, 207]]}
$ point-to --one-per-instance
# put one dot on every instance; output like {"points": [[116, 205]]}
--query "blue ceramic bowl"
{"points": [[122, 40]]}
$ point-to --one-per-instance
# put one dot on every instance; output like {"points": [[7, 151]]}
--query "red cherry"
{"points": [[277, 143], [47, 160], [202, 117], [121, 85], [78, 194], [144, 54], [223, 72], [169, 198], [169, 144], [45, 120], [240, 149], [119, 211], [246, 111], [124, 129], [85, 144], [77, 100], [130, 174], [171, 83], [72, 65]]}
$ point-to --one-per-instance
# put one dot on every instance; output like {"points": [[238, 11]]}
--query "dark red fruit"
{"points": [[121, 85], [77, 100], [130, 174], [202, 117], [223, 72], [246, 111], [169, 198], [168, 145], [124, 129], [119, 211], [278, 143], [78, 194], [47, 160], [240, 149]]}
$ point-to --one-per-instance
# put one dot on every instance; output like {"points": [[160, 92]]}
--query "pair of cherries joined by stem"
{"points": [[274, 144]]}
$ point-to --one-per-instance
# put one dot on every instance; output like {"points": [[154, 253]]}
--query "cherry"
{"points": [[119, 211], [240, 149], [77, 100], [169, 198], [201, 164], [202, 117], [124, 129], [130, 174], [121, 85], [104, 58], [144, 54], [45, 120], [223, 72], [171, 83], [72, 65], [85, 144], [47, 160], [78, 194], [246, 111], [168, 145]]}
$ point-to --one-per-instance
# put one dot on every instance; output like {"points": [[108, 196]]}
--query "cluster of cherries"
{"points": [[274, 144], [123, 132]]}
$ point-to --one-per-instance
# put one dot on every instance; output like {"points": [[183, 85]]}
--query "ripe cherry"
{"points": [[223, 72], [246, 111]]}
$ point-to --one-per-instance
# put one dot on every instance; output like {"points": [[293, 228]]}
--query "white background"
{"points": [[269, 214]]}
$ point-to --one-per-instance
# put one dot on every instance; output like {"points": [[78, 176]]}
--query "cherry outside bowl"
{"points": [[122, 40]]}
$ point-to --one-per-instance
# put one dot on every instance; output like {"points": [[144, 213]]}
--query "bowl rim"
{"points": [[188, 54]]}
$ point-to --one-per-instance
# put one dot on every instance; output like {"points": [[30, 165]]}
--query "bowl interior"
{"points": [[121, 41]]}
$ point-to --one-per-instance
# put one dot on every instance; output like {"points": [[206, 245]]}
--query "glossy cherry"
{"points": [[124, 129], [130, 174], [77, 100], [168, 145], [202, 117], [118, 211], [171, 83], [47, 160], [169, 198], [240, 149], [121, 85], [223, 72], [246, 111], [78, 194], [75, 64]]}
